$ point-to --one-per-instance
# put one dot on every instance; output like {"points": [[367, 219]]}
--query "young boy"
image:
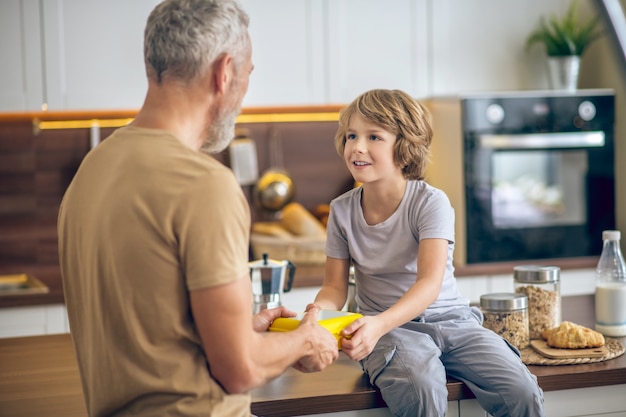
{"points": [[398, 232]]}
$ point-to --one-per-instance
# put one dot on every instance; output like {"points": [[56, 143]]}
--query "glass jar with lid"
{"points": [[507, 315], [542, 286]]}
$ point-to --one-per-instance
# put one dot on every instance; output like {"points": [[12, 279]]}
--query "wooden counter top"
{"points": [[306, 276], [39, 376]]}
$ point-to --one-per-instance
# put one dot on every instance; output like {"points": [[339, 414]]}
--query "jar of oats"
{"points": [[542, 286], [507, 315]]}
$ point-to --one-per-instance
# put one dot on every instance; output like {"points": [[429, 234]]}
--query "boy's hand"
{"points": [[360, 337], [310, 306]]}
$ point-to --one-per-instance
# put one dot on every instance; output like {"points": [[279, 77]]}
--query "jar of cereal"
{"points": [[507, 315], [541, 284]]}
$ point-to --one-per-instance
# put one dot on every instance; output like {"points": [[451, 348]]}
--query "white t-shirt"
{"points": [[384, 255]]}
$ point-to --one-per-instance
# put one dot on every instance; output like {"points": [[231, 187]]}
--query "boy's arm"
{"points": [[334, 290], [366, 331], [432, 257]]}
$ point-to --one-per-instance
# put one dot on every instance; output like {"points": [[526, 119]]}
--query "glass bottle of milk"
{"points": [[611, 287]]}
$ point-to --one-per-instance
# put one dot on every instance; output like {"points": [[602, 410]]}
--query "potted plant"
{"points": [[565, 39]]}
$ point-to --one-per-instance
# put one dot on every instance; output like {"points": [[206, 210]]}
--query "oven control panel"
{"points": [[539, 112]]}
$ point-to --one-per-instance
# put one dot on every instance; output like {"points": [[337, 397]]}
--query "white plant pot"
{"points": [[563, 72]]}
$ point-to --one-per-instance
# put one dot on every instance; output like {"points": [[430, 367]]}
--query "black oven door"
{"points": [[537, 196]]}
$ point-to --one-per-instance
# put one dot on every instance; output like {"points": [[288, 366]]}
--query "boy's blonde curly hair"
{"points": [[400, 114]]}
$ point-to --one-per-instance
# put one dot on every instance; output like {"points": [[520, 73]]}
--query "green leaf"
{"points": [[566, 35]]}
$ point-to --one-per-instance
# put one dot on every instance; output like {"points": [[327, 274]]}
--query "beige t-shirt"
{"points": [[144, 221]]}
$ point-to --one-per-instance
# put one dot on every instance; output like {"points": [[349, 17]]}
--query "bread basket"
{"points": [[301, 250]]}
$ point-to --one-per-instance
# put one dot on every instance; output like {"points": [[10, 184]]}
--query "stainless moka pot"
{"points": [[268, 282]]}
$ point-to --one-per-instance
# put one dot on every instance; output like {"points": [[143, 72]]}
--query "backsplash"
{"points": [[35, 170]]}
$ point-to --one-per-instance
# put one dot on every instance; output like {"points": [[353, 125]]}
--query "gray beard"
{"points": [[220, 134]]}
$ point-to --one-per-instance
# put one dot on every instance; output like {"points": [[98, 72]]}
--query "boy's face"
{"points": [[369, 152]]}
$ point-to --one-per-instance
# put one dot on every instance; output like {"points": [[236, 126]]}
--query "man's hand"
{"points": [[262, 321], [324, 347]]}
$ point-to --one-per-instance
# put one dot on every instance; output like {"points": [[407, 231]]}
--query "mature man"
{"points": [[153, 239]]}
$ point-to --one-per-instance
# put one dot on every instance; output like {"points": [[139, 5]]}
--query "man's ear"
{"points": [[222, 72]]}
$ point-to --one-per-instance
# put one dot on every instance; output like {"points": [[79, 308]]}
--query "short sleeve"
{"points": [[214, 232]]}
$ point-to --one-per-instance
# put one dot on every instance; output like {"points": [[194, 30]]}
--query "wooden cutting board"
{"points": [[542, 348]]}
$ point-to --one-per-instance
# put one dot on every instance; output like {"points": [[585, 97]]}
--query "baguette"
{"points": [[300, 222], [271, 229]]}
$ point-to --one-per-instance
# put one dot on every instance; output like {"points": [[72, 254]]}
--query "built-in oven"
{"points": [[530, 174]]}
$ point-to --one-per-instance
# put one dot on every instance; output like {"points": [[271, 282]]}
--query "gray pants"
{"points": [[409, 365]]}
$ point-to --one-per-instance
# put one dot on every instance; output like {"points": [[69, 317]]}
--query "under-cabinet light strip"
{"points": [[242, 118], [288, 117], [81, 124]]}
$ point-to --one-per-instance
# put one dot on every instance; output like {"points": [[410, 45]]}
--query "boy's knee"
{"points": [[530, 402], [526, 400], [417, 398]]}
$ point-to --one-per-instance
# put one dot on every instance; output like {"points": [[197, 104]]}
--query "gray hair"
{"points": [[184, 37]]}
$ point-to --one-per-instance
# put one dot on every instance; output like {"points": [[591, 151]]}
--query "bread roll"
{"points": [[572, 336], [271, 229], [322, 211], [299, 221]]}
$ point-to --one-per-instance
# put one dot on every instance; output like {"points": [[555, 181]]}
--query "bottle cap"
{"points": [[503, 301], [611, 235], [536, 273]]}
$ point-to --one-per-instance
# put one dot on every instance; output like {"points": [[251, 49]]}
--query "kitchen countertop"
{"points": [[39, 376], [50, 276], [306, 276]]}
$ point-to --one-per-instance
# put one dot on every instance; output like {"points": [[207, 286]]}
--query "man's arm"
{"points": [[241, 358]]}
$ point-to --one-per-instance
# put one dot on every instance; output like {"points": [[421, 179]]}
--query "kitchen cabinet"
{"points": [[72, 54], [288, 52], [320, 52], [479, 45], [94, 53], [21, 71], [584, 402], [606, 401], [87, 54], [484, 52], [371, 45], [331, 51], [33, 321]]}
